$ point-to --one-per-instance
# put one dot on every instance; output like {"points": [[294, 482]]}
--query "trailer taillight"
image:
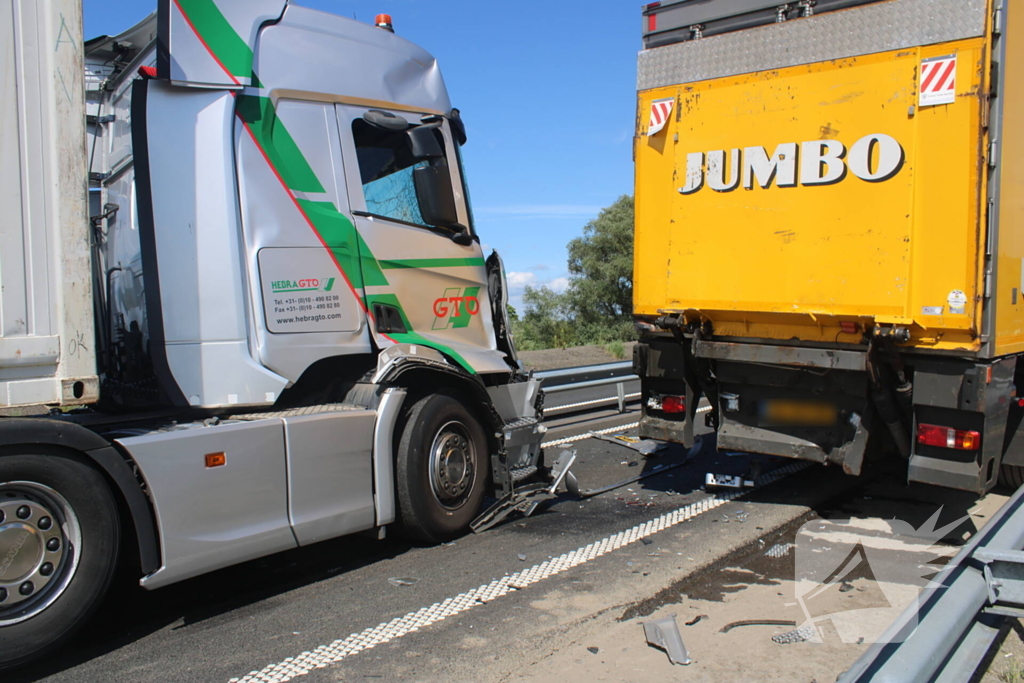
{"points": [[947, 437], [147, 71], [673, 404], [384, 21]]}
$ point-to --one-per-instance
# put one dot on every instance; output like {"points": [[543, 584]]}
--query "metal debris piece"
{"points": [[799, 635], [697, 619], [403, 581], [664, 634], [726, 481], [757, 622], [525, 499]]}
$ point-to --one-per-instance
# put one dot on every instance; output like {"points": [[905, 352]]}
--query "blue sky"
{"points": [[547, 90]]}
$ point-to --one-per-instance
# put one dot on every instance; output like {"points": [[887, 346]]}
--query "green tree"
{"points": [[600, 294], [597, 308], [544, 323]]}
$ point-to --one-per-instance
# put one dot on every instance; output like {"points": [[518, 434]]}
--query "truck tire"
{"points": [[441, 469], [1011, 476], [59, 538]]}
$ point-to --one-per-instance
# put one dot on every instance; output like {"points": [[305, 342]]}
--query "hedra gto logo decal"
{"points": [[874, 158], [456, 308], [309, 284]]}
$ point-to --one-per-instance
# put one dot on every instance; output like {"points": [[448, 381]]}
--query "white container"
{"points": [[47, 354]]}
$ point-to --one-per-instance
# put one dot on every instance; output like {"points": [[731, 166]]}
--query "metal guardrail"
{"points": [[587, 377], [948, 632]]}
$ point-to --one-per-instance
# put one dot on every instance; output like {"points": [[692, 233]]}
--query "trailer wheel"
{"points": [[1011, 476], [59, 537], [441, 470]]}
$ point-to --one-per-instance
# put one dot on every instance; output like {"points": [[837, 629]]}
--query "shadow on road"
{"points": [[130, 612]]}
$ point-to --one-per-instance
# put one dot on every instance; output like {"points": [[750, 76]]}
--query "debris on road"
{"points": [[726, 481], [800, 635], [756, 622], [403, 581], [589, 493], [645, 447], [593, 650], [779, 550], [522, 557], [525, 499], [697, 619], [664, 634]]}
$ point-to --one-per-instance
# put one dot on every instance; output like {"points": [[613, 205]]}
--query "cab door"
{"points": [[425, 283]]}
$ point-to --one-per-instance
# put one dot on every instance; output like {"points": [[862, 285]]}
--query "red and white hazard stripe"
{"points": [[938, 81], [660, 111]]}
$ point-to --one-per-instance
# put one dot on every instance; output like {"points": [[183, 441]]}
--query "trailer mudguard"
{"points": [[15, 432]]}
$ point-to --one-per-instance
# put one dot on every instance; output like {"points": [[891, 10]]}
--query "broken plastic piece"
{"points": [[664, 634], [726, 481], [403, 581], [522, 558]]}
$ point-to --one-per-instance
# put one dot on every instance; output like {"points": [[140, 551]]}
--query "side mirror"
{"points": [[435, 196], [458, 127], [423, 143]]}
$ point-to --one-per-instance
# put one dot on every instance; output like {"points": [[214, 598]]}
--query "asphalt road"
{"points": [[363, 609]]}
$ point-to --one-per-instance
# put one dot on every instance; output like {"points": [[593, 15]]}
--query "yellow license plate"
{"points": [[801, 413]]}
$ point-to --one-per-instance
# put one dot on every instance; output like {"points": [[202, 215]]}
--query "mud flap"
{"points": [[663, 370]]}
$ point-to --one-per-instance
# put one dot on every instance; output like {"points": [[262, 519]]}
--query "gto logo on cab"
{"points": [[874, 158], [456, 308]]}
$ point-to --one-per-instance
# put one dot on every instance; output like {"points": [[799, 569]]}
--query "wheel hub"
{"points": [[34, 549], [452, 465]]}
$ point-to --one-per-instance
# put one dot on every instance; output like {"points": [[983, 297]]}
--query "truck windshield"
{"points": [[385, 168]]}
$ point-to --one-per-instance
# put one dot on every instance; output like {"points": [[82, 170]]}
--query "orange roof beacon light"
{"points": [[384, 21]]}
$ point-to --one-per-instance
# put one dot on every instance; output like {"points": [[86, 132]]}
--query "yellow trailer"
{"points": [[830, 229]]}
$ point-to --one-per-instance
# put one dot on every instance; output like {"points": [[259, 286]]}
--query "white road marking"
{"points": [[334, 652]]}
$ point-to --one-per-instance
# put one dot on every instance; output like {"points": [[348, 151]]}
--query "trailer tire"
{"points": [[1011, 476], [441, 469], [60, 537]]}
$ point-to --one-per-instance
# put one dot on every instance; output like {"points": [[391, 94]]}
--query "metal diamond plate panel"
{"points": [[836, 35]]}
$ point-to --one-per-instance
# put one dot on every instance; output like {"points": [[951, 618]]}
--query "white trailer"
{"points": [[276, 316]]}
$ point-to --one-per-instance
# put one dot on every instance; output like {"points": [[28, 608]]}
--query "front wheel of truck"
{"points": [[441, 469], [59, 536]]}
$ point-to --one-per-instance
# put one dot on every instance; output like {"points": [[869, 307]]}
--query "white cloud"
{"points": [[517, 279], [559, 284]]}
